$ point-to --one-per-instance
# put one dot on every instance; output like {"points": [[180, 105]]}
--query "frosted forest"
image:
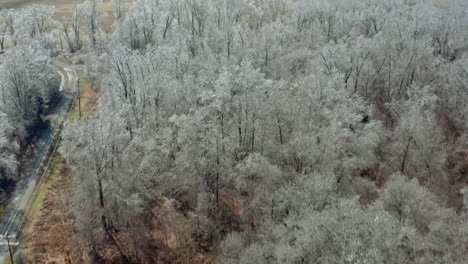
{"points": [[250, 131]]}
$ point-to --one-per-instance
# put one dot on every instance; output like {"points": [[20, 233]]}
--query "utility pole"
{"points": [[9, 244], [79, 97], [61, 45], [9, 249]]}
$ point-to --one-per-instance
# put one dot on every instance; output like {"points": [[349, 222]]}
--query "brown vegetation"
{"points": [[49, 236]]}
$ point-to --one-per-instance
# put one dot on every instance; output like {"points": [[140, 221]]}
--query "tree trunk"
{"points": [[101, 204], [405, 155]]}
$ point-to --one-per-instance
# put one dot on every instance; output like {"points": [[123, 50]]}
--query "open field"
{"points": [[62, 8], [23, 3]]}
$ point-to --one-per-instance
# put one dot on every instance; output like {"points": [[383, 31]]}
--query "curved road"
{"points": [[12, 218]]}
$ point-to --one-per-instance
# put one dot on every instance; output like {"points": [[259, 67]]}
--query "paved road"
{"points": [[13, 215]]}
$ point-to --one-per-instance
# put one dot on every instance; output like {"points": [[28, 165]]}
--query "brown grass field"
{"points": [[62, 8]]}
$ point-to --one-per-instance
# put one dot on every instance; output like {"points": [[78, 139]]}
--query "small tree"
{"points": [[411, 202]]}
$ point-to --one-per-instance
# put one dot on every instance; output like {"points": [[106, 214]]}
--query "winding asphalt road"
{"points": [[12, 218]]}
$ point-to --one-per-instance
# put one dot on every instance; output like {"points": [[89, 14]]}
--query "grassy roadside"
{"points": [[48, 232], [54, 167], [48, 184], [74, 111], [88, 98]]}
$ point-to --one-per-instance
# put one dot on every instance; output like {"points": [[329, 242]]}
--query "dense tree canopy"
{"points": [[306, 131], [28, 84], [289, 104], [303, 108]]}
